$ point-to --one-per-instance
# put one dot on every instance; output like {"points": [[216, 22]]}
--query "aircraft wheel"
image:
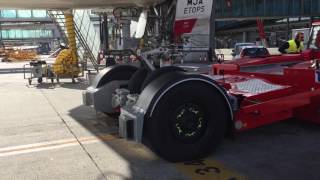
{"points": [[188, 122]]}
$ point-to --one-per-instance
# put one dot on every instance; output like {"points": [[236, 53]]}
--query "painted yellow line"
{"points": [[208, 169], [36, 147]]}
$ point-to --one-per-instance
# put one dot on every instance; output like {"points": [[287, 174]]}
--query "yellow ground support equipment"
{"points": [[66, 63]]}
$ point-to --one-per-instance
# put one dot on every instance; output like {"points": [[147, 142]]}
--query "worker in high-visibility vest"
{"points": [[293, 45]]}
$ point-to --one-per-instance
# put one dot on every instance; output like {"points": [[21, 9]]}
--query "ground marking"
{"points": [[207, 169], [49, 145]]}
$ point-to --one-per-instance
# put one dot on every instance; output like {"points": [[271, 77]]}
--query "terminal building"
{"points": [[21, 27]]}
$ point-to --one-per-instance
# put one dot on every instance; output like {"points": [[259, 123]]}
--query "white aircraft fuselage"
{"points": [[73, 4]]}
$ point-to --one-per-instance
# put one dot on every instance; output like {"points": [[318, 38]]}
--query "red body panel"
{"points": [[272, 89]]}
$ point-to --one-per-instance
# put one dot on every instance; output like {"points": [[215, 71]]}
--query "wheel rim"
{"points": [[189, 123]]}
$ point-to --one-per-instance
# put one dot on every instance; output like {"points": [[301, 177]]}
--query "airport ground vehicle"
{"points": [[38, 70], [184, 115]]}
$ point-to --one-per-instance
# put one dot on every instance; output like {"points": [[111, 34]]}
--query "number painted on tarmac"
{"points": [[204, 169]]}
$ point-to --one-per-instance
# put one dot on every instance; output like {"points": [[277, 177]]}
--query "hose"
{"points": [[71, 36], [66, 62]]}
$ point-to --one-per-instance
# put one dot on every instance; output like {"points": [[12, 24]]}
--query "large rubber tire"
{"points": [[119, 72], [136, 80], [157, 73], [161, 129]]}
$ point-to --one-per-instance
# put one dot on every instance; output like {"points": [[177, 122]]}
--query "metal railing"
{"points": [[87, 47]]}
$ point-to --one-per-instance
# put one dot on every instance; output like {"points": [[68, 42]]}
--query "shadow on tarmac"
{"points": [[142, 162], [288, 149], [78, 85]]}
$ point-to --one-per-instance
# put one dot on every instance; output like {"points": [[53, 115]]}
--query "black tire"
{"points": [[50, 73], [118, 72], [40, 80], [136, 81], [157, 73], [29, 81], [174, 139]]}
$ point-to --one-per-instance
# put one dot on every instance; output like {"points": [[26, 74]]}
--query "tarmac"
{"points": [[46, 133]]}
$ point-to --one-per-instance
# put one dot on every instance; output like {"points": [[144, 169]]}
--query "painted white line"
{"points": [[37, 147]]}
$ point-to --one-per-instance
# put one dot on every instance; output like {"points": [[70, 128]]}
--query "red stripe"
{"points": [[261, 28], [184, 26]]}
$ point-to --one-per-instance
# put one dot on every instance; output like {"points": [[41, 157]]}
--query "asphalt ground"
{"points": [[46, 133]]}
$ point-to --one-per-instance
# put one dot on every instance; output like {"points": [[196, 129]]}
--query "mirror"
{"points": [[233, 52], [142, 23]]}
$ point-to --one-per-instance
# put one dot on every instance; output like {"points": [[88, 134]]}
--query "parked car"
{"points": [[44, 48], [238, 47], [252, 52]]}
